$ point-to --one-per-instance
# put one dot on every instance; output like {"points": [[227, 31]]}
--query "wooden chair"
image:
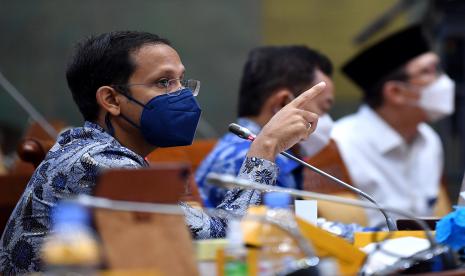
{"points": [[329, 160], [31, 150], [193, 155]]}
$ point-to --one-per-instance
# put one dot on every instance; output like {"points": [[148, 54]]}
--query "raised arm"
{"points": [[291, 124]]}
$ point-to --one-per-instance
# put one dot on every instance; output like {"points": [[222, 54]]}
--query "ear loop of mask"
{"points": [[131, 99]]}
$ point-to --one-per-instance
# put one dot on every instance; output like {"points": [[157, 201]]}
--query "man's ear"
{"points": [[395, 93], [282, 98], [108, 100]]}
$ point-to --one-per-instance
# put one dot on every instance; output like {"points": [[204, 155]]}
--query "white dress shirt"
{"points": [[382, 164]]}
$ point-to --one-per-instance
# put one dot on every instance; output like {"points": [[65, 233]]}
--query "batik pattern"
{"points": [[70, 168]]}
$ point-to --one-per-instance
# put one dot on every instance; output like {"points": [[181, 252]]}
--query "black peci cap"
{"points": [[374, 63]]}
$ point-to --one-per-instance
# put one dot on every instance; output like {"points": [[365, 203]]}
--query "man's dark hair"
{"points": [[277, 67], [323, 63], [101, 60], [374, 96]]}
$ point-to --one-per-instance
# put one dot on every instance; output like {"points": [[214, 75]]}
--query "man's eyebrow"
{"points": [[164, 72]]}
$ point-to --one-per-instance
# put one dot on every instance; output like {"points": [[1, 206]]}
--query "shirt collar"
{"points": [[93, 125], [111, 139], [385, 138]]}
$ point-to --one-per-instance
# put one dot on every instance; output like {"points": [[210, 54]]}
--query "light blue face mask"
{"points": [[168, 120]]}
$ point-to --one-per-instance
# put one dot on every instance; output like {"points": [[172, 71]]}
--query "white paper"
{"points": [[405, 247], [306, 210]]}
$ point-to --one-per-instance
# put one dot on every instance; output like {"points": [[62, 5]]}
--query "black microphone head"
{"points": [[240, 131]]}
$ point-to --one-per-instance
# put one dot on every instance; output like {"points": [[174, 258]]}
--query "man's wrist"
{"points": [[264, 149]]}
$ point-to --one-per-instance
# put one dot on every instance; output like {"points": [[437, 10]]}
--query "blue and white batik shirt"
{"points": [[71, 168]]}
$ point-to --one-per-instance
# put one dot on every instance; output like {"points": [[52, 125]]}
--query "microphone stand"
{"points": [[244, 133], [23, 102]]}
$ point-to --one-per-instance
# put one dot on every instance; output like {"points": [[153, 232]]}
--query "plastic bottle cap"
{"points": [[277, 200]]}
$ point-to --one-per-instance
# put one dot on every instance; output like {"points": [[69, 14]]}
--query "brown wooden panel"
{"points": [[328, 160], [193, 154], [133, 240], [161, 183], [152, 241]]}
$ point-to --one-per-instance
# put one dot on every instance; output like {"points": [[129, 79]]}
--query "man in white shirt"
{"points": [[389, 150]]}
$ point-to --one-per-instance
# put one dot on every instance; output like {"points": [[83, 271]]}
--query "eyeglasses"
{"points": [[172, 87]]}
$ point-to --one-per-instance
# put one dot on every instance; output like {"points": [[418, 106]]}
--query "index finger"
{"points": [[303, 99]]}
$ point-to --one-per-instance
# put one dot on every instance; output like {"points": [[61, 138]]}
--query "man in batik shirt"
{"points": [[131, 91]]}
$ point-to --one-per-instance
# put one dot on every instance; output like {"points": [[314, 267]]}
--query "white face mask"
{"points": [[437, 99], [319, 138]]}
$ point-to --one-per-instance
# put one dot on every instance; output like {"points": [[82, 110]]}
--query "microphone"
{"points": [[245, 133], [242, 132]]}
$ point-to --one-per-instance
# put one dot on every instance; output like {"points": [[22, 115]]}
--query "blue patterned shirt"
{"points": [[227, 158], [71, 167]]}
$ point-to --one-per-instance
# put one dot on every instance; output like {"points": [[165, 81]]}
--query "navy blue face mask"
{"points": [[169, 120]]}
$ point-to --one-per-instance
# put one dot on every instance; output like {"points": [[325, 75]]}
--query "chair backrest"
{"points": [[193, 154], [33, 147], [33, 150], [161, 183], [330, 161]]}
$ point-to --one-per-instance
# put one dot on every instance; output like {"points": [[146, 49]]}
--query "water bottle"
{"points": [[71, 247], [235, 251], [279, 251]]}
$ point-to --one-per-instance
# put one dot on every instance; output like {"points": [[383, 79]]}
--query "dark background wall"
{"points": [[212, 37]]}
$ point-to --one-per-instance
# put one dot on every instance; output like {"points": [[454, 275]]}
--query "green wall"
{"points": [[330, 27]]}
